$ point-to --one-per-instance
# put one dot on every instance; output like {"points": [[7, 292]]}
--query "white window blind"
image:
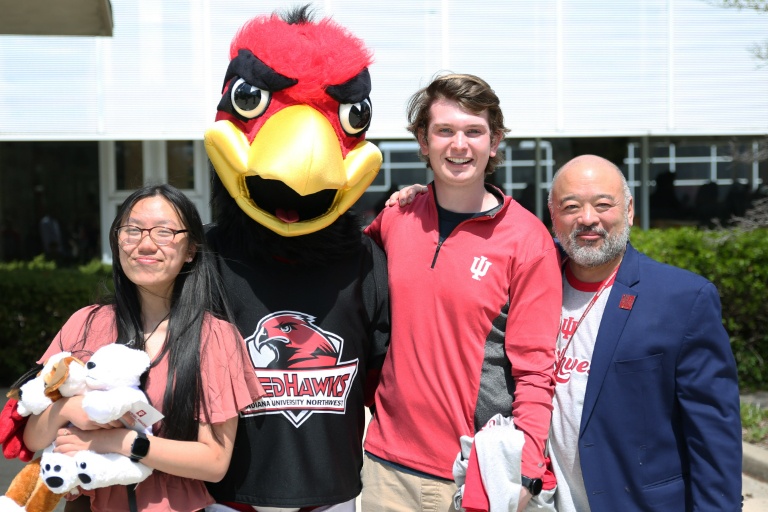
{"points": [[561, 67]]}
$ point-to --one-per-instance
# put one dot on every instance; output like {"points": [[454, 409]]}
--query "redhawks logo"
{"points": [[298, 365]]}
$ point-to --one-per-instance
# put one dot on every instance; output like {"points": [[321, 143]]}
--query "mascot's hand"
{"points": [[12, 431]]}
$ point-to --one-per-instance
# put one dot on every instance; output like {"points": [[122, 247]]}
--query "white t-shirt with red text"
{"points": [[571, 384]]}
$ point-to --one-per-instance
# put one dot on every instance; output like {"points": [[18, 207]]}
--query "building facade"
{"points": [[667, 89]]}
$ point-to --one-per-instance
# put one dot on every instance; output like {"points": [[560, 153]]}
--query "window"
{"points": [[49, 199], [129, 165], [181, 164]]}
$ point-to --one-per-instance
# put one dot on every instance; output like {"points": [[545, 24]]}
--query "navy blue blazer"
{"points": [[660, 429]]}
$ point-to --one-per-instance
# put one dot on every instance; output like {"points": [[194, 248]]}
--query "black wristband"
{"points": [[140, 447]]}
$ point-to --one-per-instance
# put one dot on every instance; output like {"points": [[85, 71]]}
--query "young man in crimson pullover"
{"points": [[475, 299]]}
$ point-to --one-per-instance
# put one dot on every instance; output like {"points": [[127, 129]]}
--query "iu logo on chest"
{"points": [[480, 266]]}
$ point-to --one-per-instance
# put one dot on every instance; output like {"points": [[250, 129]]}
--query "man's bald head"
{"points": [[590, 162]]}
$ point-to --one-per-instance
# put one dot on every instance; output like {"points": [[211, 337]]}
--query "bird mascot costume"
{"points": [[308, 291]]}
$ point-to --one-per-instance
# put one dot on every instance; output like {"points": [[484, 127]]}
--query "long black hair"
{"points": [[197, 290]]}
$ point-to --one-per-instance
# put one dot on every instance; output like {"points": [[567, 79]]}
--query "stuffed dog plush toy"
{"points": [[109, 383], [62, 375]]}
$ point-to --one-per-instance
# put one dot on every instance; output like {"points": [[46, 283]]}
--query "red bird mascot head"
{"points": [[288, 144]]}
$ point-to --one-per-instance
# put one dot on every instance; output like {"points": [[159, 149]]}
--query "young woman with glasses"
{"points": [[168, 302]]}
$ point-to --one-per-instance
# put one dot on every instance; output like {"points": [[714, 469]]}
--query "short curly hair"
{"points": [[472, 93]]}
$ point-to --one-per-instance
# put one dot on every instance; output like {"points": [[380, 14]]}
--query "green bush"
{"points": [[736, 262], [37, 298], [754, 423]]}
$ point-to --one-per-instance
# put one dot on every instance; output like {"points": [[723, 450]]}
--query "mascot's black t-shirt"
{"points": [[314, 334]]}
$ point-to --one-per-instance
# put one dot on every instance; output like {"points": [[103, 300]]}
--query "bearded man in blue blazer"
{"points": [[646, 409]]}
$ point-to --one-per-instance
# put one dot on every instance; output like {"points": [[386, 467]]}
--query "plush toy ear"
{"points": [[42, 499], [22, 485], [75, 384], [58, 376], [55, 378]]}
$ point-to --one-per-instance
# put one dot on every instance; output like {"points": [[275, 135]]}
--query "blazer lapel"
{"points": [[617, 311]]}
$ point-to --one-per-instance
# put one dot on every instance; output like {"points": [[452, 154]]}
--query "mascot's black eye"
{"points": [[248, 100], [355, 117]]}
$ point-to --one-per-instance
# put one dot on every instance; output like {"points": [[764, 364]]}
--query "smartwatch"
{"points": [[140, 447], [532, 484]]}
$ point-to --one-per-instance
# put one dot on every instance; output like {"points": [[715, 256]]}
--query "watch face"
{"points": [[140, 447], [536, 485]]}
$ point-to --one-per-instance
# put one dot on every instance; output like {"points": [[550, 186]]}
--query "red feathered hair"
{"points": [[317, 54]]}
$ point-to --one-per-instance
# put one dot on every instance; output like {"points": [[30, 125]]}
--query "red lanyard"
{"points": [[605, 284]]}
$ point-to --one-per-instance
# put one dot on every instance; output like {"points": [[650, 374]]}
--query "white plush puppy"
{"points": [[112, 377]]}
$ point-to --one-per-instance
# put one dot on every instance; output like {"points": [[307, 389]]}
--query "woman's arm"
{"points": [[41, 429], [204, 459]]}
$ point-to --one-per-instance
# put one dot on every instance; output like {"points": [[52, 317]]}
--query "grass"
{"points": [[754, 423]]}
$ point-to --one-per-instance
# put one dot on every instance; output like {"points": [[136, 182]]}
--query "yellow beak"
{"points": [[298, 147]]}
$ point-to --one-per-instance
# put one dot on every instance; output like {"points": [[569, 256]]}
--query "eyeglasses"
{"points": [[160, 235]]}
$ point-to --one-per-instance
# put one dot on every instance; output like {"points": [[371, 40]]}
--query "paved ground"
{"points": [[755, 494], [755, 491]]}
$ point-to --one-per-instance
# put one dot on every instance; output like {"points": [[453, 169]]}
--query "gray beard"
{"points": [[590, 256]]}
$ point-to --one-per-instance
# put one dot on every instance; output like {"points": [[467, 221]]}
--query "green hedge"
{"points": [[737, 263], [38, 298]]}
